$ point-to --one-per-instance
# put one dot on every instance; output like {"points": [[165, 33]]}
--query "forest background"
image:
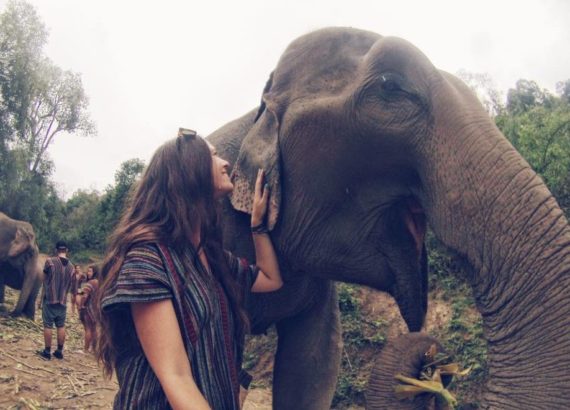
{"points": [[40, 101]]}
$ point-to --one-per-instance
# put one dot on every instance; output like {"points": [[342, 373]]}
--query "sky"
{"points": [[150, 67]]}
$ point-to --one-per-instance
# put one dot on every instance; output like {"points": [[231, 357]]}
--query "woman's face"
{"points": [[220, 167], [89, 273]]}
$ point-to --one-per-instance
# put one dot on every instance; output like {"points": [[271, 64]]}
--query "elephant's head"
{"points": [[363, 139], [18, 263], [16, 238], [343, 202]]}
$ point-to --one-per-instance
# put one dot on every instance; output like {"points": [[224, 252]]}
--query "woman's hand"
{"points": [[260, 199], [269, 277]]}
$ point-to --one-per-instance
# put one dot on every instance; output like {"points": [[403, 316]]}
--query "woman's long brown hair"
{"points": [[174, 195]]}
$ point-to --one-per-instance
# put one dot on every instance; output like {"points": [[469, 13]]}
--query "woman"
{"points": [[86, 305], [171, 298], [77, 280]]}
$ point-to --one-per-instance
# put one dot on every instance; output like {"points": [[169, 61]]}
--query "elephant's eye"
{"points": [[389, 83]]}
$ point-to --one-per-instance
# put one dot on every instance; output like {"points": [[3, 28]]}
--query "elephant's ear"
{"points": [[19, 244], [259, 149]]}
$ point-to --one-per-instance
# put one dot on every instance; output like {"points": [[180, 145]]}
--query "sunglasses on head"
{"points": [[185, 134]]}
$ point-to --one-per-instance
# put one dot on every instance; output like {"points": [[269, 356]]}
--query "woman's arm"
{"points": [[161, 340], [269, 278]]}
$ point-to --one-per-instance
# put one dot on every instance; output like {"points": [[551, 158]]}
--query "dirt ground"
{"points": [[76, 382], [30, 382]]}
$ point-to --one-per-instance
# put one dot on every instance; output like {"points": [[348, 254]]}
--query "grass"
{"points": [[362, 340], [463, 335]]}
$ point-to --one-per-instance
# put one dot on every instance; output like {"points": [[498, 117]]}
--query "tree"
{"points": [[113, 202], [22, 38], [43, 99], [80, 227], [38, 100], [485, 89], [563, 88], [538, 124], [526, 95], [58, 105]]}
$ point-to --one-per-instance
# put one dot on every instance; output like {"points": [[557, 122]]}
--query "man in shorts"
{"points": [[59, 273]]}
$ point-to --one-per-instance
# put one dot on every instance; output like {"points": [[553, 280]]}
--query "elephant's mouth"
{"points": [[415, 220], [403, 244]]}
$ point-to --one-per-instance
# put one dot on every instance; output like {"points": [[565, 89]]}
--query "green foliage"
{"points": [[38, 100], [41, 98], [359, 336], [258, 357], [116, 196], [563, 89], [525, 96], [90, 217], [463, 334], [81, 231], [538, 125]]}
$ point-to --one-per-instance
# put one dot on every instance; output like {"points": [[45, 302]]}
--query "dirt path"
{"points": [[76, 382], [30, 382]]}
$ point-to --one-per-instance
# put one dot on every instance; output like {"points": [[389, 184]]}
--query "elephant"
{"points": [[20, 265], [365, 143], [405, 355]]}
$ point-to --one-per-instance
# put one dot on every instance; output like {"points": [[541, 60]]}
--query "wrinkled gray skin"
{"points": [[19, 264], [406, 356], [362, 138]]}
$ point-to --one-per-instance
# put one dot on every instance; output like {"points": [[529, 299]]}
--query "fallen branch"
{"points": [[106, 388], [30, 403], [25, 364], [72, 385], [17, 385], [26, 371], [89, 393]]}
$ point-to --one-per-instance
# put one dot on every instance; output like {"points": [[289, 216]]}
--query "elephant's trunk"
{"points": [[486, 203], [403, 356]]}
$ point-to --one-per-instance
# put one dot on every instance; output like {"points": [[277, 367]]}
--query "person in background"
{"points": [[76, 283], [58, 273], [86, 305], [171, 298]]}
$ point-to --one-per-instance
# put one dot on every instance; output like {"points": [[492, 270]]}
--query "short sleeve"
{"points": [[244, 273], [87, 289], [47, 267], [142, 278]]}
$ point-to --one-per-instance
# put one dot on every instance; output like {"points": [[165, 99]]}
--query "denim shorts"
{"points": [[55, 313]]}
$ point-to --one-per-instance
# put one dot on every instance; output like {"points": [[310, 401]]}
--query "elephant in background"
{"points": [[364, 142], [21, 267]]}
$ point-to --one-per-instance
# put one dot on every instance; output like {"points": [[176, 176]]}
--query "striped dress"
{"points": [[87, 310], [77, 282], [59, 273], [155, 272]]}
